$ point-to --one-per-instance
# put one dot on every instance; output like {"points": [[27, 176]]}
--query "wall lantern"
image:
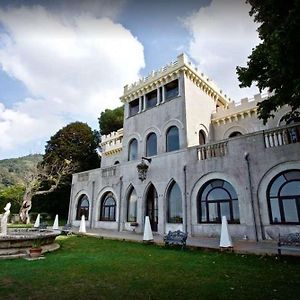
{"points": [[142, 168]]}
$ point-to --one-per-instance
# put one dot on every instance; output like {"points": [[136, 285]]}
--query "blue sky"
{"points": [[63, 61]]}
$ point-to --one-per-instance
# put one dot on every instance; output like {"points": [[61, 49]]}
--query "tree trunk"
{"points": [[26, 206]]}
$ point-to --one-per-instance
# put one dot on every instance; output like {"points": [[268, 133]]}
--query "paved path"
{"points": [[267, 247]]}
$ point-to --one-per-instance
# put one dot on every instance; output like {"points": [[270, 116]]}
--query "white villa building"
{"points": [[186, 156]]}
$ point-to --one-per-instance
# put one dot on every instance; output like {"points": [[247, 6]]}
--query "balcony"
{"points": [[212, 150]]}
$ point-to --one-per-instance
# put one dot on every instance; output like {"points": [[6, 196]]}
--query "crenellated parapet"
{"points": [[236, 111], [171, 72], [111, 144]]}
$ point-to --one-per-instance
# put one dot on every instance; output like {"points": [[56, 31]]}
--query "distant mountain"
{"points": [[14, 170]]}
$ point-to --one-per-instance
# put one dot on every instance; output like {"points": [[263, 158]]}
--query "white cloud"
{"points": [[73, 68], [222, 37]]}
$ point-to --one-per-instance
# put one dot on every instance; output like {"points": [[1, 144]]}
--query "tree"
{"points": [[111, 120], [12, 194], [71, 149], [274, 64]]}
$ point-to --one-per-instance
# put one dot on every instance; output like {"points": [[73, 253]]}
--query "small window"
{"points": [[132, 206], [83, 208], [151, 144], [202, 137], [108, 208], [133, 150], [172, 138], [151, 99], [283, 196], [171, 90], [234, 134], [218, 198], [174, 204], [134, 107]]}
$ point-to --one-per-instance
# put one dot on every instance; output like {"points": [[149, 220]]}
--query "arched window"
{"points": [[172, 138], [283, 196], [174, 204], [218, 198], [116, 162], [133, 150], [108, 208], [83, 208], [132, 206], [202, 137], [234, 134], [151, 144]]}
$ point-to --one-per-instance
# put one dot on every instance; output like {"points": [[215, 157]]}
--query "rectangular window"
{"points": [[171, 90], [151, 99], [290, 210], [133, 107]]}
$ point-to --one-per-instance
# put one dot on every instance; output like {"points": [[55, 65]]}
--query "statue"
{"points": [[4, 219]]}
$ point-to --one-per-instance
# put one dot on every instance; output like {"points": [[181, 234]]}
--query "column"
{"points": [[158, 96], [140, 104], [163, 94]]}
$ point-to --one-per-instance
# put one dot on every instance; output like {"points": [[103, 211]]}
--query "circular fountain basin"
{"points": [[17, 242]]}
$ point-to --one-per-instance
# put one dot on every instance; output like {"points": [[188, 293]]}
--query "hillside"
{"points": [[14, 170]]}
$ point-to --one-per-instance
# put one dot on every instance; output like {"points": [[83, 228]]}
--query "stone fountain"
{"points": [[16, 243]]}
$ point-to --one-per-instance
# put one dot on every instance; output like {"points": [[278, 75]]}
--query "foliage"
{"points": [[14, 170], [111, 120], [75, 142], [88, 268], [14, 195], [274, 64]]}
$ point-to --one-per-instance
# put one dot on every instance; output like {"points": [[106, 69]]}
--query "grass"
{"points": [[90, 268]]}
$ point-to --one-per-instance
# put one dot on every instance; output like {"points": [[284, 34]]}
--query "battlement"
{"points": [[112, 142], [169, 72], [246, 105]]}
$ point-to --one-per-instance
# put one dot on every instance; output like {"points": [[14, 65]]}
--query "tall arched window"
{"points": [[132, 150], [108, 208], [218, 198], [283, 196], [172, 139], [202, 137], [151, 144], [174, 204], [132, 206], [83, 208]]}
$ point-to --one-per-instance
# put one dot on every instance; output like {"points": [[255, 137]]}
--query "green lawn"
{"points": [[90, 268]]}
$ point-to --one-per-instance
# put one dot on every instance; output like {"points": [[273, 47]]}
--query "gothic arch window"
{"points": [[218, 198], [174, 202], [132, 150], [235, 134], [132, 206], [108, 208], [83, 208], [202, 137], [172, 139], [283, 195], [151, 144]]}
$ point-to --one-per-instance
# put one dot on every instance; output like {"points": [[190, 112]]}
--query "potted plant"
{"points": [[36, 249]]}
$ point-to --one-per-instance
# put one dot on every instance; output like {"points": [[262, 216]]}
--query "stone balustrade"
{"points": [[109, 172], [282, 136], [212, 150]]}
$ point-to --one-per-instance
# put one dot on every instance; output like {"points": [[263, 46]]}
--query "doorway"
{"points": [[152, 207]]}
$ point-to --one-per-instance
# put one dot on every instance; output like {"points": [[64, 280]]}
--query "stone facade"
{"points": [[211, 157]]}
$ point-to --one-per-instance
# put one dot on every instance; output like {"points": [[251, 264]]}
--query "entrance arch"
{"points": [[152, 206]]}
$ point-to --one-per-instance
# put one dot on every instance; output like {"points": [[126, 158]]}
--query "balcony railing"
{"points": [[109, 172], [282, 136], [212, 150]]}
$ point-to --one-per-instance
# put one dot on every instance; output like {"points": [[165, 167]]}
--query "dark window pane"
{"points": [[276, 217], [133, 107], [290, 210], [202, 137], [236, 211], [171, 90], [175, 204], [133, 150], [151, 99], [172, 139], [217, 194], [229, 188], [151, 147], [234, 134], [292, 175], [213, 212], [291, 188], [276, 186], [217, 183], [225, 210], [108, 209], [205, 192], [203, 212], [83, 208], [109, 201]]}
